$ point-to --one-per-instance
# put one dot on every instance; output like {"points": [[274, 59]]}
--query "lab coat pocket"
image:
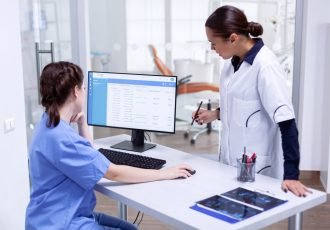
{"points": [[246, 113], [263, 165]]}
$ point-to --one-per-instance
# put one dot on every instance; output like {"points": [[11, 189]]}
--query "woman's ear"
{"points": [[76, 91], [233, 37]]}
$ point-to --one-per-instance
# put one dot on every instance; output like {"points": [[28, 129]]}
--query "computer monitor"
{"points": [[139, 102]]}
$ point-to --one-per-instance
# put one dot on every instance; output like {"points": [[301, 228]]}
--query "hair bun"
{"points": [[255, 29]]}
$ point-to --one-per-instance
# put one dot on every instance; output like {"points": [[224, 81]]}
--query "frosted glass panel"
{"points": [[145, 9], [188, 30], [278, 21], [188, 52], [136, 9], [145, 25], [181, 9], [42, 21], [181, 31], [140, 59], [199, 9], [198, 31], [156, 9], [156, 32], [249, 9], [136, 32]]}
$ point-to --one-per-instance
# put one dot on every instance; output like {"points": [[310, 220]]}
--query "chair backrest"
{"points": [[190, 87], [159, 64], [193, 87]]}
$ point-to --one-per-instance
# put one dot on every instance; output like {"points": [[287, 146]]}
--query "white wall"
{"points": [[313, 91], [107, 26], [325, 132], [14, 190], [107, 20]]}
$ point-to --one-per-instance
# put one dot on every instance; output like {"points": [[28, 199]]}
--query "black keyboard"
{"points": [[122, 158]]}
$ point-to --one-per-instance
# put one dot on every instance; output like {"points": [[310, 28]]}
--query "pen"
{"points": [[253, 157], [196, 114], [249, 160], [244, 156]]}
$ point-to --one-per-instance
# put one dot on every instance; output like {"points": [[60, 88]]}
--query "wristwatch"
{"points": [[218, 110]]}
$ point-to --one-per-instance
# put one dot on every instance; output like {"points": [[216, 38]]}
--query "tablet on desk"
{"points": [[255, 198], [238, 204], [228, 208]]}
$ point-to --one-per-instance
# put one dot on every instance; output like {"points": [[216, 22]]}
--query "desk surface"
{"points": [[169, 200]]}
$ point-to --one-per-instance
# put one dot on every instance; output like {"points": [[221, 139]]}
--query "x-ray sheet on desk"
{"points": [[238, 204], [255, 198], [188, 103]]}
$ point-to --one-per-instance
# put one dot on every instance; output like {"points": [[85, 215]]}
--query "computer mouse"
{"points": [[192, 172]]}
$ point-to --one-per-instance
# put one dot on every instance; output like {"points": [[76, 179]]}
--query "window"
{"points": [[145, 25], [176, 29]]}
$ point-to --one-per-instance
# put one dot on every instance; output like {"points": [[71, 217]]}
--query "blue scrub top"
{"points": [[64, 168]]}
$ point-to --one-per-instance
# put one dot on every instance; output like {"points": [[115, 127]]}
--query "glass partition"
{"points": [[46, 36], [121, 32]]}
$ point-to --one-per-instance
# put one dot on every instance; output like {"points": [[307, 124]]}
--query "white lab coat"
{"points": [[252, 101]]}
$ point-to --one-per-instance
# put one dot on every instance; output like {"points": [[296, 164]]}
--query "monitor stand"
{"points": [[136, 144]]}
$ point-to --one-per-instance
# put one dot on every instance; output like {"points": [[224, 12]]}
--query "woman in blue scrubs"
{"points": [[64, 166], [256, 111]]}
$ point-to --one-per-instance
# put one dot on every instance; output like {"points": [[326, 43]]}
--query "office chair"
{"points": [[208, 129]]}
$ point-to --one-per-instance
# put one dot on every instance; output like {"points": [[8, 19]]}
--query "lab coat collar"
{"points": [[250, 56]]}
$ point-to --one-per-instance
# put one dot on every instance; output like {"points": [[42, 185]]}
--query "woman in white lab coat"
{"points": [[255, 107]]}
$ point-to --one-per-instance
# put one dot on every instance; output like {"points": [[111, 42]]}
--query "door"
{"points": [[46, 37]]}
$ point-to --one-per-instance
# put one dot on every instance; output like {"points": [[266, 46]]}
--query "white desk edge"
{"points": [[130, 194]]}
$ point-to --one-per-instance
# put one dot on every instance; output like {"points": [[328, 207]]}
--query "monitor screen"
{"points": [[132, 101]]}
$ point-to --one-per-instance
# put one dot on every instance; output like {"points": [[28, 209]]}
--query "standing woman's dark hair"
{"points": [[57, 82], [228, 19]]}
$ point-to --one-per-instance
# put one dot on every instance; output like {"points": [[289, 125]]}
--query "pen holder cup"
{"points": [[245, 171]]}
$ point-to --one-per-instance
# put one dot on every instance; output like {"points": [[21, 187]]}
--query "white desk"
{"points": [[169, 201]]}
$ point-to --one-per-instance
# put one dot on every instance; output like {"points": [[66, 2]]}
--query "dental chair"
{"points": [[186, 87]]}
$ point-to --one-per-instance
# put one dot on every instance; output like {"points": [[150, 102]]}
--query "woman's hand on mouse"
{"points": [[181, 170]]}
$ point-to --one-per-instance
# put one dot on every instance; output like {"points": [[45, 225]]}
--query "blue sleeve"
{"points": [[79, 161], [290, 147]]}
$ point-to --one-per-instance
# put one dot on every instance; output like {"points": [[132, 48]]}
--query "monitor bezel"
{"points": [[142, 74]]}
